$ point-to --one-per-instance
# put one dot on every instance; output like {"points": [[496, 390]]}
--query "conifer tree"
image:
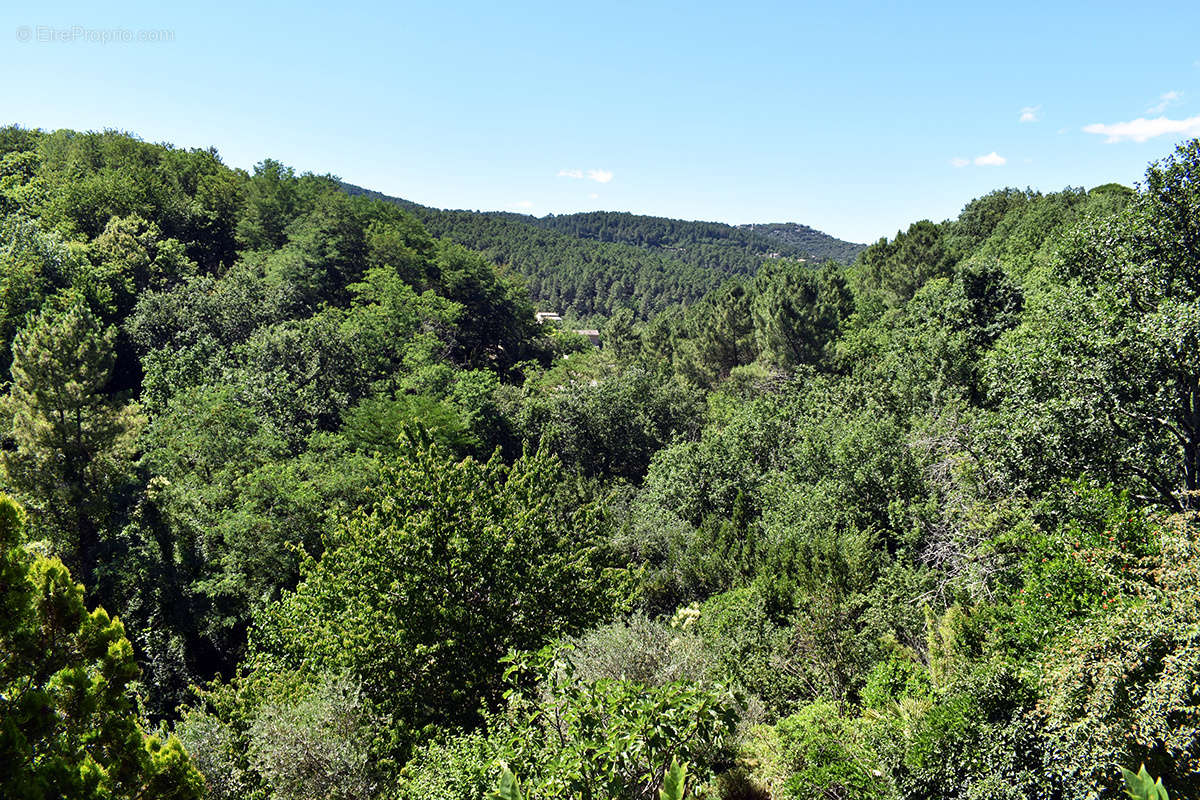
{"points": [[70, 441], [68, 721]]}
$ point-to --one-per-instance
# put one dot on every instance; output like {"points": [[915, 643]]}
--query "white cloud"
{"points": [[1142, 129], [1061, 131], [1165, 99], [597, 175], [1030, 113], [523, 204], [594, 196], [992, 159]]}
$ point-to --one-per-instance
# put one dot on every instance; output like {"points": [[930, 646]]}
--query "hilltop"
{"points": [[594, 263]]}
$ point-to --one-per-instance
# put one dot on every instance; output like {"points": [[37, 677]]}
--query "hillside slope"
{"points": [[592, 264], [818, 245]]}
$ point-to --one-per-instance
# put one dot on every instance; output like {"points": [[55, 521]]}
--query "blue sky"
{"points": [[857, 118]]}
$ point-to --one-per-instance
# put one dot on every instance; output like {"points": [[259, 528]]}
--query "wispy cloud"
{"points": [[992, 159], [1142, 129], [523, 205], [594, 196], [1165, 99], [597, 175], [1030, 114]]}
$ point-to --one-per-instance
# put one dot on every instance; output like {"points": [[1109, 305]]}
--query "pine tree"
{"points": [[70, 440], [68, 722]]}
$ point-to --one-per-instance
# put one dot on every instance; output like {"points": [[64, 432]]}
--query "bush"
{"points": [[975, 737], [460, 767], [643, 650], [1121, 688], [826, 756], [421, 596], [750, 649], [894, 679], [317, 747], [566, 736]]}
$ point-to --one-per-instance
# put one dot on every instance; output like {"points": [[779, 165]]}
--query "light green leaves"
{"points": [[1142, 786], [507, 789], [674, 782]]}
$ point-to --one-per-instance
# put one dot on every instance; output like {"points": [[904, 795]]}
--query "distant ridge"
{"points": [[669, 233], [593, 263], [822, 245]]}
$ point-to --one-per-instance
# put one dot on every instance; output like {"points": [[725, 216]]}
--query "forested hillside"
{"points": [[593, 264], [349, 524], [818, 246], [703, 243]]}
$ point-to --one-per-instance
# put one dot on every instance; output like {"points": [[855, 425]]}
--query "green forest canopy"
{"points": [[922, 525], [596, 263]]}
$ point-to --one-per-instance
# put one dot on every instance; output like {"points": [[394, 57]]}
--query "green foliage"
{"points": [[1119, 688], [894, 270], [507, 788], [34, 266], [68, 721], [90, 178], [454, 564], [648, 651], [916, 510], [826, 757], [1103, 374], [1141, 786], [249, 317], [610, 738], [72, 442], [751, 650], [674, 782], [704, 243], [131, 257], [603, 420], [569, 736], [790, 315], [601, 262], [316, 746], [894, 680], [377, 424], [982, 217], [975, 738], [287, 738]]}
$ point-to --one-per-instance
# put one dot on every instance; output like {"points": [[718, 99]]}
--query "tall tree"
{"points": [[419, 598], [797, 313], [1104, 375], [68, 721], [71, 442]]}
